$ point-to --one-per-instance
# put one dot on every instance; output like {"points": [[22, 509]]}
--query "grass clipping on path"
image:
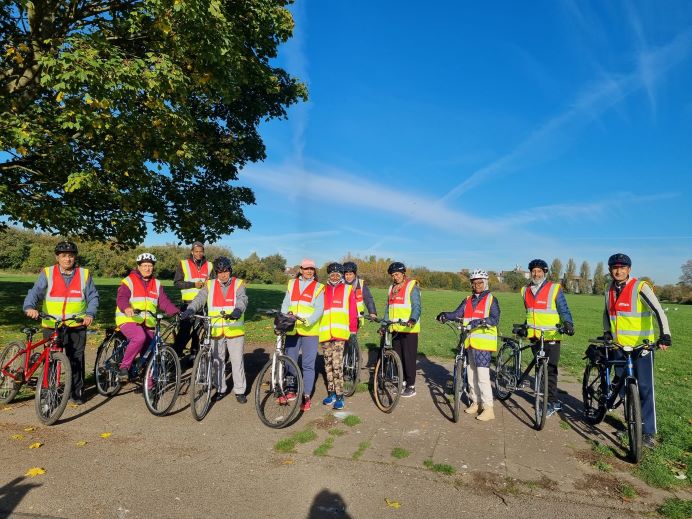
{"points": [[399, 453], [289, 444], [442, 468]]}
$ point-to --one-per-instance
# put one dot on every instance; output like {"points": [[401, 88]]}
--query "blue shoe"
{"points": [[330, 399], [339, 404]]}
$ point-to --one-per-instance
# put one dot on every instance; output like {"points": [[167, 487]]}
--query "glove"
{"points": [[441, 317], [186, 314], [475, 323], [236, 313], [568, 328], [664, 340], [410, 323], [607, 336], [522, 331]]}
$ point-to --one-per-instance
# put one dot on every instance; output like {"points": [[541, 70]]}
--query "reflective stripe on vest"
{"points": [[336, 317], [217, 303], [360, 304], [480, 338], [631, 321], [141, 298], [193, 274], [64, 301], [399, 307], [303, 305], [541, 310]]}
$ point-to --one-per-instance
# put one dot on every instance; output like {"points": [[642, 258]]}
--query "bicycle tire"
{"points": [[458, 389], [540, 403], [505, 372], [161, 381], [200, 384], [633, 416], [592, 394], [271, 391], [8, 386], [50, 402], [107, 365], [351, 366], [388, 381]]}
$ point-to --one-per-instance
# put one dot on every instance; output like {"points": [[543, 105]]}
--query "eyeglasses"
{"points": [[478, 282]]}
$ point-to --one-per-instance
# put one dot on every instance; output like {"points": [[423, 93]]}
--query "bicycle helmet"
{"points": [[335, 267], [397, 266], [349, 266], [146, 256], [538, 264], [478, 274], [619, 259], [223, 264], [66, 246]]}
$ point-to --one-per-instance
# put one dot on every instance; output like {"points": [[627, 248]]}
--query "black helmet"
{"points": [[397, 266], [538, 263], [335, 267], [619, 259], [349, 266], [223, 264], [66, 246]]}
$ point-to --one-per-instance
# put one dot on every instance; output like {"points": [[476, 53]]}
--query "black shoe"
{"points": [[79, 400], [408, 392], [218, 396], [241, 399], [123, 376]]}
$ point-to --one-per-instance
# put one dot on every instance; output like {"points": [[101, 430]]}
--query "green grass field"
{"points": [[673, 367]]}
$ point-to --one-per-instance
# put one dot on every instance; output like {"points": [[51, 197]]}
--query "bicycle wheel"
{"points": [[540, 403], [108, 358], [351, 366], [274, 383], [8, 386], [633, 417], [161, 383], [388, 381], [200, 384], [505, 372], [458, 388], [52, 398], [592, 394]]}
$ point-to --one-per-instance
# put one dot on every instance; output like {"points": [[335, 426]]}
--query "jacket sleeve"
{"points": [[494, 316], [92, 297], [562, 308], [37, 293], [122, 298], [458, 313], [178, 278], [416, 307], [319, 309], [199, 301], [353, 312], [606, 317], [369, 300], [241, 298], [650, 299], [286, 302]]}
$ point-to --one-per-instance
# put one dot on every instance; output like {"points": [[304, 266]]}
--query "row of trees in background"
{"points": [[28, 251]]}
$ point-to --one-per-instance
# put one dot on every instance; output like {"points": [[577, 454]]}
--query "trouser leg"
{"points": [[309, 346], [236, 350], [219, 364], [137, 337], [481, 361], [338, 367], [645, 377], [183, 335], [327, 351], [475, 391], [74, 342], [552, 349], [406, 346]]}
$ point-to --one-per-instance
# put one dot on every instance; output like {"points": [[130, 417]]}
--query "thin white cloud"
{"points": [[298, 65]]}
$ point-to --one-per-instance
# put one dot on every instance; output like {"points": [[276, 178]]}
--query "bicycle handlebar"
{"points": [[60, 320], [381, 321], [274, 312], [609, 343]]}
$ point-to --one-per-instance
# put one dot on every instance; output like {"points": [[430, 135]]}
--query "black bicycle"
{"points": [[609, 382], [389, 375], [508, 374], [351, 365]]}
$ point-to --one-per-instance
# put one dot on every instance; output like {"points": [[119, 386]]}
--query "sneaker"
{"points": [[331, 398], [124, 375], [649, 441], [291, 396], [306, 405], [409, 392], [339, 402], [557, 405], [551, 410], [77, 399], [218, 396], [472, 409], [282, 400], [486, 414], [241, 399]]}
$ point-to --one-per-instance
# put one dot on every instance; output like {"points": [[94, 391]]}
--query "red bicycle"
{"points": [[20, 361]]}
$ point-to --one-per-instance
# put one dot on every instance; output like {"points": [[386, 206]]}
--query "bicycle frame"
{"points": [[539, 356], [629, 372]]}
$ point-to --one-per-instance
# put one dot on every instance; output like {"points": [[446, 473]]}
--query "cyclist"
{"points": [[403, 302], [190, 276], [364, 299], [627, 319], [66, 290], [481, 307], [546, 307], [339, 321], [304, 298], [140, 290], [224, 294]]}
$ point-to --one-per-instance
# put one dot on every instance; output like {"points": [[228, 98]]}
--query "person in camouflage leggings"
{"points": [[333, 361]]}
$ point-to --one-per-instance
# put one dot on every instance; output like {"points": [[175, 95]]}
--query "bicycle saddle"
{"points": [[29, 331]]}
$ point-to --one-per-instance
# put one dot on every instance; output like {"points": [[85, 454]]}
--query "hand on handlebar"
{"points": [[664, 341], [568, 328], [607, 337], [441, 317], [32, 313]]}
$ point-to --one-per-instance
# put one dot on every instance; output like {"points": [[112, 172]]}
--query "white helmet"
{"points": [[146, 256], [478, 274]]}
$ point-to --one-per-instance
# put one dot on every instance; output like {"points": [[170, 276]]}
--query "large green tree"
{"points": [[115, 114]]}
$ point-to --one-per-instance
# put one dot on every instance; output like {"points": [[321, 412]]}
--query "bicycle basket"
{"points": [[283, 324]]}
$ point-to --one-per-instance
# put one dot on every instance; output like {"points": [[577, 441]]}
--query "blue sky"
{"points": [[481, 135]]}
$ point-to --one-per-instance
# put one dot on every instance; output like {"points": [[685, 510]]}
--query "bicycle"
{"points": [[279, 379], [508, 374], [388, 376], [158, 367], [351, 365], [54, 385], [202, 377], [601, 392]]}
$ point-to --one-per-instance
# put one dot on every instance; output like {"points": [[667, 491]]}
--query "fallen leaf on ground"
{"points": [[73, 405], [33, 472], [17, 437], [288, 461], [105, 435], [82, 443], [7, 409], [392, 504], [35, 445], [29, 429]]}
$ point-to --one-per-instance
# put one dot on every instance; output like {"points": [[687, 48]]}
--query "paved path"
{"points": [[226, 466]]}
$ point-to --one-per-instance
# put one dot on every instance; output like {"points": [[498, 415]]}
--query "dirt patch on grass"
{"points": [[325, 423]]}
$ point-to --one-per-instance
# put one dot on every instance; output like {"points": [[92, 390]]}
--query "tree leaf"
{"points": [[105, 435], [35, 445], [35, 471]]}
